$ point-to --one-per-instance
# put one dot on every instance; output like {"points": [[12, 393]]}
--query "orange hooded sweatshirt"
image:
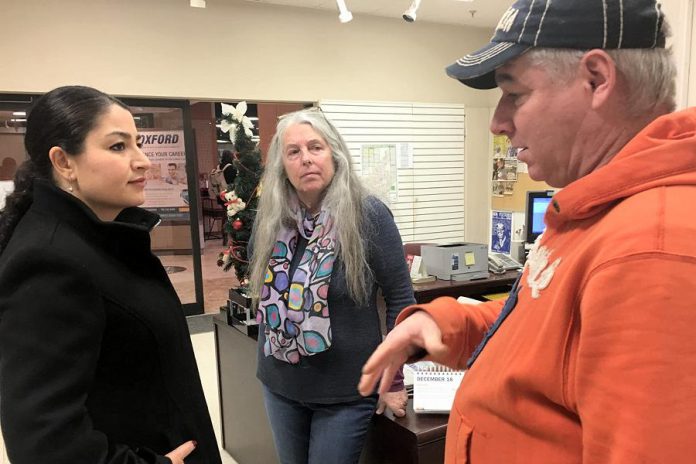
{"points": [[596, 363]]}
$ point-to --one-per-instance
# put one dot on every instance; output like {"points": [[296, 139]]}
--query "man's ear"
{"points": [[62, 164], [599, 72]]}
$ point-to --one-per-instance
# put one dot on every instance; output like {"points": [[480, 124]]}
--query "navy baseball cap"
{"points": [[573, 24]]}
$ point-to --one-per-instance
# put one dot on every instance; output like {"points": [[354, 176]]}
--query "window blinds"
{"points": [[424, 147]]}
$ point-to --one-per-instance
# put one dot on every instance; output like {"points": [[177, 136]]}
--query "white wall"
{"points": [[682, 17], [476, 175], [428, 178], [238, 50], [229, 50], [691, 93]]}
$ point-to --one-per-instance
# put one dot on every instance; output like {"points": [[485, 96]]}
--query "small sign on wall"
{"points": [[501, 231]]}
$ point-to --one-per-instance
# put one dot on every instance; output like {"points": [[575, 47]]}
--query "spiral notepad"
{"points": [[434, 387]]}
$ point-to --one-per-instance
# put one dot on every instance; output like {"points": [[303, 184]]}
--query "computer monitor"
{"points": [[537, 202]]}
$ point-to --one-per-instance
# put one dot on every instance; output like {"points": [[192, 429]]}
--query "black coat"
{"points": [[96, 362]]}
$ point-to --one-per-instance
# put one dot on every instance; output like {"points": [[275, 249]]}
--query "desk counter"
{"points": [[495, 283], [246, 435], [412, 439]]}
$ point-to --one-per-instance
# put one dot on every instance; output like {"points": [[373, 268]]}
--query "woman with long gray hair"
{"points": [[321, 249]]}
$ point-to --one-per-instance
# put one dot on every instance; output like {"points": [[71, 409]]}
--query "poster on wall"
{"points": [[166, 191], [509, 171], [405, 156], [501, 231], [501, 146], [379, 164], [505, 166]]}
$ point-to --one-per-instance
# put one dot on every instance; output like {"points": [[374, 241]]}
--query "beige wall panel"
{"points": [[691, 99], [681, 18], [476, 184], [229, 50]]}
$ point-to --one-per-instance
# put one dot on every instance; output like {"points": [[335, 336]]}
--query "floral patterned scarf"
{"points": [[295, 311]]}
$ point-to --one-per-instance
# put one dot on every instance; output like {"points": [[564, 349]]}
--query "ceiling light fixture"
{"points": [[410, 14], [197, 3], [343, 14]]}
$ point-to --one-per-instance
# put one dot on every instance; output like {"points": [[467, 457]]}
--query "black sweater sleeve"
{"points": [[387, 260]]}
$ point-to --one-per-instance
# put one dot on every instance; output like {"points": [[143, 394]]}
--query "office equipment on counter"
{"points": [[494, 283], [518, 251], [537, 203], [456, 261], [499, 263], [241, 313]]}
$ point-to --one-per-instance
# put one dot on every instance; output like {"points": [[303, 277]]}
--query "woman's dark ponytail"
{"points": [[63, 117], [16, 203]]}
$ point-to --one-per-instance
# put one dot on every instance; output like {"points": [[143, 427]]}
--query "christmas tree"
{"points": [[242, 201]]}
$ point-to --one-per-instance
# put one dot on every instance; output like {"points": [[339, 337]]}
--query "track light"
{"points": [[343, 14], [410, 14]]}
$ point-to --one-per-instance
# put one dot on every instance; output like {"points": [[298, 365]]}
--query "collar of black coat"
{"points": [[52, 200]]}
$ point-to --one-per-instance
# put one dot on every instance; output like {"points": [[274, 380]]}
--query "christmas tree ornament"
{"points": [[234, 116], [233, 203], [237, 224]]}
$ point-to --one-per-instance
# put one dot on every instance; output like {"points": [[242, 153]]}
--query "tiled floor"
{"points": [[216, 282], [216, 285], [204, 348]]}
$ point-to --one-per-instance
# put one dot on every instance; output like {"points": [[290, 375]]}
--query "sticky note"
{"points": [[469, 259]]}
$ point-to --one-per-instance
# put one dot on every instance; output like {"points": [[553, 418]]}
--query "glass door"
{"points": [[172, 192], [13, 123], [172, 189]]}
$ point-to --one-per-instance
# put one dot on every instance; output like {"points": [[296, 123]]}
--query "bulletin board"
{"points": [[517, 201]]}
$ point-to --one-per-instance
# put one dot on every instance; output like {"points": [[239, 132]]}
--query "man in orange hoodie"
{"points": [[592, 358]]}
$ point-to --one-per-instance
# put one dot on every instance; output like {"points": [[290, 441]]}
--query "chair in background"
{"points": [[213, 214]]}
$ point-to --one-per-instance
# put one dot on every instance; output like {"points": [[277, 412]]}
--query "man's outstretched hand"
{"points": [[416, 333]]}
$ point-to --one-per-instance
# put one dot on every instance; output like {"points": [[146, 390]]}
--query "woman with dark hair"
{"points": [[96, 363], [223, 176], [222, 180], [227, 167]]}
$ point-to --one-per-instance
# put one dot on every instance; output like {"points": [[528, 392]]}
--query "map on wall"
{"points": [[379, 165]]}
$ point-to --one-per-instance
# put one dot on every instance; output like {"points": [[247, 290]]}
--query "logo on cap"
{"points": [[507, 20]]}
